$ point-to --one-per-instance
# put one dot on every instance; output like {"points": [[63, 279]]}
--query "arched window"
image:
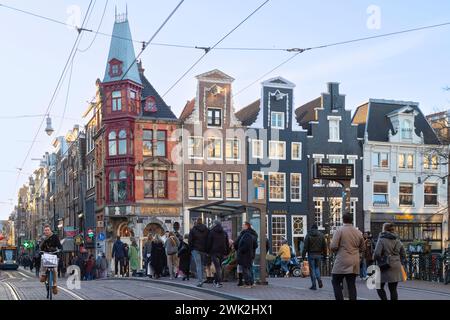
{"points": [[122, 186], [407, 129], [112, 143], [113, 187], [122, 142]]}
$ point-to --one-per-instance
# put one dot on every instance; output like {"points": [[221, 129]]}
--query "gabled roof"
{"points": [[373, 118], [248, 115], [163, 110], [306, 113], [279, 82], [122, 49], [188, 109], [215, 75]]}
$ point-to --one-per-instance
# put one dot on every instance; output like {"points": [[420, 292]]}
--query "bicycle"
{"points": [[50, 262]]}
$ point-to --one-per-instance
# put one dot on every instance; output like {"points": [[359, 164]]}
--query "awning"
{"points": [[68, 245], [223, 208]]}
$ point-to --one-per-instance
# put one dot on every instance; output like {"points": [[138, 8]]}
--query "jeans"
{"points": [[314, 267], [338, 281], [172, 264], [217, 261], [198, 260], [284, 266], [363, 268], [392, 289], [247, 274], [118, 261]]}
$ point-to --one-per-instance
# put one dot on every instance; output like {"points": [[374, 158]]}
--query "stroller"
{"points": [[293, 266]]}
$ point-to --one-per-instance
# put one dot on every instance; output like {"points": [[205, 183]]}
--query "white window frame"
{"points": [[299, 187], [273, 113], [209, 139], [337, 120], [321, 200], [388, 194], [320, 158], [412, 194], [191, 148], [203, 185], [378, 165], [352, 159], [405, 160], [261, 143], [221, 185], [339, 157], [271, 142], [339, 208], [284, 187], [305, 226], [432, 194], [239, 149], [282, 235], [240, 186], [294, 157], [221, 118]]}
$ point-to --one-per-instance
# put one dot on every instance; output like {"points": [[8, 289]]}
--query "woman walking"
{"points": [[171, 246], [157, 257], [390, 257]]}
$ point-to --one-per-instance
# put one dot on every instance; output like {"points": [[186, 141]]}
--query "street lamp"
{"points": [[49, 130]]}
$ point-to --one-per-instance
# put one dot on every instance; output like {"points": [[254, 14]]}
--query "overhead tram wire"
{"points": [[67, 97], [208, 49], [58, 85], [98, 29], [298, 51]]}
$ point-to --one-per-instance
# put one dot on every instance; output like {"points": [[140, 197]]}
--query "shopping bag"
{"points": [[305, 269], [404, 275]]}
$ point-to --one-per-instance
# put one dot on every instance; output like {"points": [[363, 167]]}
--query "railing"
{"points": [[426, 267]]}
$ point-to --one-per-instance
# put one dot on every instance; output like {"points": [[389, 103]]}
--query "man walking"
{"points": [[246, 245], [347, 243], [197, 244], [217, 247], [315, 246], [118, 254]]}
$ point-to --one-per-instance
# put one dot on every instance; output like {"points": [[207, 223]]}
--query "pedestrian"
{"points": [[284, 253], [209, 269], [184, 256], [133, 255], [316, 247], [31, 264], [347, 243], [60, 267], [176, 230], [126, 260], [103, 267], [217, 247], [81, 265], [245, 246], [37, 262], [147, 255], [157, 257], [89, 271], [171, 246], [390, 256], [366, 256], [197, 243], [118, 254]]}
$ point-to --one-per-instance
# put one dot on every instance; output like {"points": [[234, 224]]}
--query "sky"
{"points": [[408, 67]]}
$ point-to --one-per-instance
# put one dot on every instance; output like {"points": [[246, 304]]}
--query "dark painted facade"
{"points": [[332, 138], [276, 151]]}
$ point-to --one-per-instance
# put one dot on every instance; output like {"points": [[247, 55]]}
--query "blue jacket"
{"points": [[118, 250]]}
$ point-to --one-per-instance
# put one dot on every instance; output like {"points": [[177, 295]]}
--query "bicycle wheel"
{"points": [[50, 284]]}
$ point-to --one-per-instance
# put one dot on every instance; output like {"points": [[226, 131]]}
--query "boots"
{"points": [[241, 279]]}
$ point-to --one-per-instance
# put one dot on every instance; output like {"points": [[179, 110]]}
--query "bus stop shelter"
{"points": [[233, 215]]}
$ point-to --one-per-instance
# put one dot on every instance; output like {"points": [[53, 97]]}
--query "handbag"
{"points": [[404, 275], [384, 263]]}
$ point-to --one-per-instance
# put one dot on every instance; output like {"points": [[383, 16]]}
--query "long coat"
{"points": [[184, 254], [246, 246], [347, 243], [390, 245], [133, 254], [158, 257]]}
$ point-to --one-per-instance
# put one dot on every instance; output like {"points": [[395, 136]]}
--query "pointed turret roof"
{"points": [[122, 49]]}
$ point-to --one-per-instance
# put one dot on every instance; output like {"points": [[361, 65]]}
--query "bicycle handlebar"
{"points": [[54, 252]]}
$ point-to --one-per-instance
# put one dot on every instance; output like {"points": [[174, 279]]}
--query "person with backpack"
{"points": [[316, 247], [217, 246], [284, 253], [390, 257], [171, 246]]}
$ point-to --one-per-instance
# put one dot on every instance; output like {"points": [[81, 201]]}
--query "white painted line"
{"points": [[10, 275], [13, 291], [71, 293], [23, 274], [183, 294]]}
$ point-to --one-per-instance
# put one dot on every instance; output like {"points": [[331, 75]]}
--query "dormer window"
{"points": [[115, 68], [407, 129]]}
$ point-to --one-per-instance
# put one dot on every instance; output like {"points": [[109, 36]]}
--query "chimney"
{"points": [[140, 68]]}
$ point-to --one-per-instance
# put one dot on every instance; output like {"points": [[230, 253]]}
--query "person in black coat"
{"points": [[184, 254], [246, 245], [157, 257], [197, 243], [217, 246]]}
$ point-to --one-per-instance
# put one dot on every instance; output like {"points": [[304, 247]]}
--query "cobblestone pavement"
{"points": [[22, 284]]}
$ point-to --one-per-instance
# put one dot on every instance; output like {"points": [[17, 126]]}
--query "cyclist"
{"points": [[50, 243]]}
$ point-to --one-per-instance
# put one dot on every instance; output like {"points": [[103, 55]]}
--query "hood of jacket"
{"points": [[201, 228], [252, 232], [314, 233], [217, 228], [388, 235]]}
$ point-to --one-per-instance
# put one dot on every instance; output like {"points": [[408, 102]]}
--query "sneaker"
{"points": [[200, 284], [55, 290], [313, 288], [320, 284], [218, 285]]}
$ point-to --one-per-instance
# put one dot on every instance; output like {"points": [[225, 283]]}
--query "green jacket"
{"points": [[133, 255]]}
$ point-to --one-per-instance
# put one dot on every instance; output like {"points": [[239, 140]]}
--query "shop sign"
{"points": [[404, 217], [160, 211]]}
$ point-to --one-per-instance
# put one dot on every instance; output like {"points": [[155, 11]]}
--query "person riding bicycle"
{"points": [[50, 244]]}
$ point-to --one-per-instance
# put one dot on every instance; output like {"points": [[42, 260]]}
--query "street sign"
{"points": [[101, 236], [333, 171], [78, 240]]}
